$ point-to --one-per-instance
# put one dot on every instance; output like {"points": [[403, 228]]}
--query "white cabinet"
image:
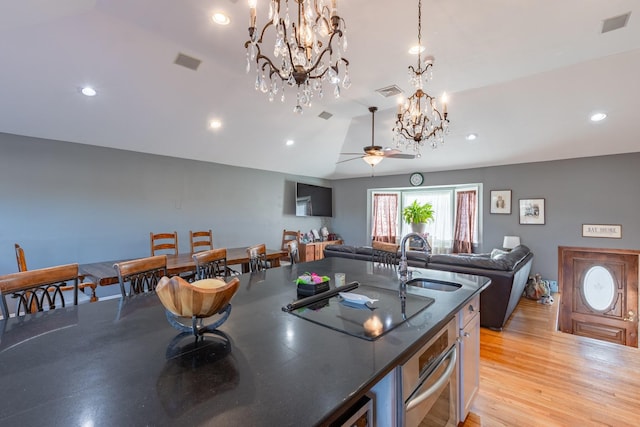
{"points": [[469, 360]]}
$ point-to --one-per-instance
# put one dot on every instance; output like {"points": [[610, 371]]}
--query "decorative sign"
{"points": [[611, 231]]}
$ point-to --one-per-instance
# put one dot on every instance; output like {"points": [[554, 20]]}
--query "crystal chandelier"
{"points": [[419, 119], [308, 50]]}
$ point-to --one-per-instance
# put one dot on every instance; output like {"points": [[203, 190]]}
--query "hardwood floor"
{"points": [[533, 375]]}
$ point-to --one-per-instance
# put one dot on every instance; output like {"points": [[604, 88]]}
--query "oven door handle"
{"points": [[439, 383]]}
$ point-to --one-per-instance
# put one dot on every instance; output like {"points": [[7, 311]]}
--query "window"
{"points": [[441, 230]]}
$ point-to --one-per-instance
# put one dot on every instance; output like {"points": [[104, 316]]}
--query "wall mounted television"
{"points": [[313, 200]]}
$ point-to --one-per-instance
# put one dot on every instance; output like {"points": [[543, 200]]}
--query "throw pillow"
{"points": [[498, 253]]}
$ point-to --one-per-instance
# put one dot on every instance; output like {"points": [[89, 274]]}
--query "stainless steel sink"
{"points": [[436, 285]]}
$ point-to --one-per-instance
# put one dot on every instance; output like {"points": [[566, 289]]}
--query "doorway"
{"points": [[599, 293]]}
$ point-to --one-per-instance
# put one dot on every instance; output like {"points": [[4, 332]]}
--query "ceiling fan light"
{"points": [[372, 159]]}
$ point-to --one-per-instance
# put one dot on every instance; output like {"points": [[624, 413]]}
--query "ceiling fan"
{"points": [[374, 154]]}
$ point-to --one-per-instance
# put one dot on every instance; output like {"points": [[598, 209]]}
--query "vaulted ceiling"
{"points": [[523, 75]]}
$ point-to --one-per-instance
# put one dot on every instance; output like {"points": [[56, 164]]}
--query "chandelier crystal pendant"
{"points": [[308, 50], [419, 120]]}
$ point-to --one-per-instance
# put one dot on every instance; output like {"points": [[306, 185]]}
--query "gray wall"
{"points": [[596, 190], [65, 202]]}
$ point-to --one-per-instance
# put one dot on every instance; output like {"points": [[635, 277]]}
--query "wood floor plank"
{"points": [[533, 375]]}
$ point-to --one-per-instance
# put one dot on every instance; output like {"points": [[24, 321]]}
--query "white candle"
{"points": [[444, 103], [252, 13]]}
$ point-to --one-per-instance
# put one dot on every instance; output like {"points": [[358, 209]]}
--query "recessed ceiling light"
{"points": [[598, 117], [471, 137], [88, 91], [220, 18], [215, 124], [414, 50], [290, 142]]}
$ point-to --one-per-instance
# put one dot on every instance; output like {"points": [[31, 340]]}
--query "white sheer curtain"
{"points": [[441, 229], [385, 217]]}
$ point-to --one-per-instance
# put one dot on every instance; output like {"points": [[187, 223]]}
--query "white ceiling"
{"points": [[523, 75]]}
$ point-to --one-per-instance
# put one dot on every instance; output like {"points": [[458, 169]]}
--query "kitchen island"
{"points": [[119, 362]]}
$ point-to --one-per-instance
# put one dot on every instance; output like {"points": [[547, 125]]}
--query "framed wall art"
{"points": [[532, 211], [501, 202]]}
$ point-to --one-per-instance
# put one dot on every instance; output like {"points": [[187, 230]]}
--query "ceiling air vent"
{"points": [[388, 91], [325, 115], [187, 61], [615, 23]]}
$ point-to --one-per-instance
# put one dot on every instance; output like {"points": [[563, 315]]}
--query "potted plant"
{"points": [[418, 216]]}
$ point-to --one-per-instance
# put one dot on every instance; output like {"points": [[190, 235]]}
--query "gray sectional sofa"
{"points": [[508, 272]]}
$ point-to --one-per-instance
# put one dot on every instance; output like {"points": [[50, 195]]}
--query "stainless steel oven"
{"points": [[429, 382]]}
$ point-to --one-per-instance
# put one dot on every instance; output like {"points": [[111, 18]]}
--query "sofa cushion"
{"points": [[364, 250], [470, 261], [517, 255], [417, 256], [341, 248], [505, 262]]}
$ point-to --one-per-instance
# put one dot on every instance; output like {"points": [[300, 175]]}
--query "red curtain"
{"points": [[385, 217], [465, 222]]}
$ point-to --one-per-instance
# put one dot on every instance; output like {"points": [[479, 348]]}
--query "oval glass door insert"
{"points": [[599, 288]]}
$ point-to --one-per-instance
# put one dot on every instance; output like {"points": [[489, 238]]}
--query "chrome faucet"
{"points": [[403, 266]]}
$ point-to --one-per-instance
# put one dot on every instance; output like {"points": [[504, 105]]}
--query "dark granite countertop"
{"points": [[121, 363]]}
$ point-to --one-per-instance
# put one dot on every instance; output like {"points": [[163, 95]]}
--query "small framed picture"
{"points": [[532, 211], [501, 202]]}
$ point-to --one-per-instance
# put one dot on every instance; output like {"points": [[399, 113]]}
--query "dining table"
{"points": [[104, 274]]}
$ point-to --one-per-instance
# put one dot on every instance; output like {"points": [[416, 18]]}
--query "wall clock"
{"points": [[416, 179]]}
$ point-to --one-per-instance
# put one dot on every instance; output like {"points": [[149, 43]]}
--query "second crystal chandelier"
{"points": [[307, 50], [419, 119]]}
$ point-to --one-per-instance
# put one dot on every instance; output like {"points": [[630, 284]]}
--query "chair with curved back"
{"points": [[38, 290], [385, 253], [257, 255], [142, 274], [292, 249], [200, 241], [211, 264], [21, 260], [166, 243]]}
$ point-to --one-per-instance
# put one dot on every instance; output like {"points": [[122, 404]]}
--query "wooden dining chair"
{"points": [[257, 255], [164, 242], [288, 236], [200, 241], [211, 264], [385, 253], [292, 250], [20, 258], [38, 290], [142, 274], [82, 284]]}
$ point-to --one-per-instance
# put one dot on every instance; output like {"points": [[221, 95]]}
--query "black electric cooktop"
{"points": [[361, 321]]}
